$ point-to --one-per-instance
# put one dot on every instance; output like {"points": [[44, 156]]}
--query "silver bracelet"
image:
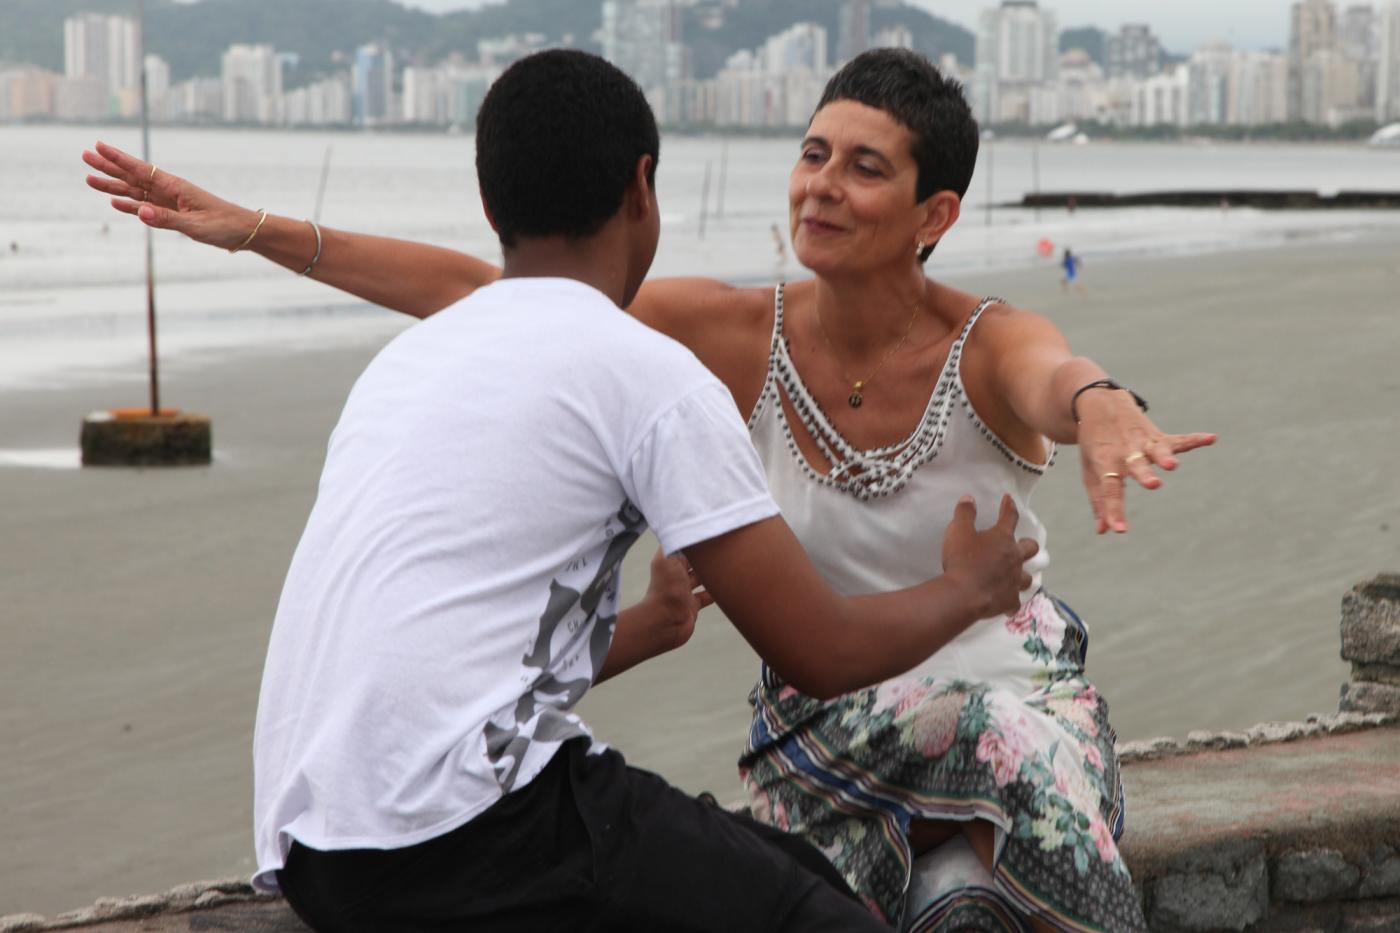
{"points": [[317, 258]]}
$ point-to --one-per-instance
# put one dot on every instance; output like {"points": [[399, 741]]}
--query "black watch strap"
{"points": [[1103, 384]]}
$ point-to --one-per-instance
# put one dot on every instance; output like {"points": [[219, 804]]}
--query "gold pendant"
{"points": [[855, 400]]}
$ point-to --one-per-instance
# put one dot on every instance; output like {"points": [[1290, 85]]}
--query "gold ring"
{"points": [[1135, 456], [1111, 475], [153, 174]]}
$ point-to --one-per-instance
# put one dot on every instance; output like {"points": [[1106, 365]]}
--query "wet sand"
{"points": [[136, 604]]}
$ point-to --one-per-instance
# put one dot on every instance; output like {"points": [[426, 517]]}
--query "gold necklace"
{"points": [[856, 399]]}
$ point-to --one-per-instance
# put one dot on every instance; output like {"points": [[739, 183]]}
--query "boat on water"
{"points": [[1387, 137], [1067, 133]]}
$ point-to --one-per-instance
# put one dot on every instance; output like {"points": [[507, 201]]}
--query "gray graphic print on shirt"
{"points": [[575, 613]]}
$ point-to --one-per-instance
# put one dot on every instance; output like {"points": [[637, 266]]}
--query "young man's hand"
{"points": [[674, 598], [990, 563], [662, 621]]}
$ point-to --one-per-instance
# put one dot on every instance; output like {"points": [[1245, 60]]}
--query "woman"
{"points": [[878, 397]]}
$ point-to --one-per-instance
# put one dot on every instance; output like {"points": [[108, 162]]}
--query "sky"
{"points": [[1182, 24]]}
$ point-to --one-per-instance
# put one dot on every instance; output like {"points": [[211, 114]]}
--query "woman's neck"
{"points": [[868, 313]]}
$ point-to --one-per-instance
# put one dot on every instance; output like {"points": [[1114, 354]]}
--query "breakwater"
{"points": [[1292, 200]]}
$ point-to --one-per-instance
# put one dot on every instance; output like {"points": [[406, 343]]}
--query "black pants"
{"points": [[589, 845]]}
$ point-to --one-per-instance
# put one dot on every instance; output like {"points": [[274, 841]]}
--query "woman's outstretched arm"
{"points": [[1059, 395], [412, 278]]}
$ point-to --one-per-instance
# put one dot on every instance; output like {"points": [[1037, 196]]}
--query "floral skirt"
{"points": [[851, 774]]}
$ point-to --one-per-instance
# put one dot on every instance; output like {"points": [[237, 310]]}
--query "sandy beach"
{"points": [[136, 604]]}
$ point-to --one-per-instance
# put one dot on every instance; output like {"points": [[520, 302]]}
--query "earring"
{"points": [[918, 246]]}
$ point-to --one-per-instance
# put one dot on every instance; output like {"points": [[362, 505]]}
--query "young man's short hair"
{"points": [[557, 141]]}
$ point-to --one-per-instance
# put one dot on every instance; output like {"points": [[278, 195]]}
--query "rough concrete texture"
{"points": [[1376, 673], [1362, 697], [1263, 734], [150, 440], [1371, 621], [1319, 875], [1225, 887], [1381, 873], [1204, 832]]}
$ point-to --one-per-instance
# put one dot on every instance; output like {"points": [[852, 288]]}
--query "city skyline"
{"points": [[1342, 67], [1249, 25]]}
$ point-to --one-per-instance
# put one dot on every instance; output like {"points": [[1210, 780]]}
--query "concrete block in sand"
{"points": [[1371, 621], [135, 437]]}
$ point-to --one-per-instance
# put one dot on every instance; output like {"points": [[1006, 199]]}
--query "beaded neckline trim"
{"points": [[865, 474]]}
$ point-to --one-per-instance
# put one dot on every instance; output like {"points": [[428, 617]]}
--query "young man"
{"points": [[418, 765]]}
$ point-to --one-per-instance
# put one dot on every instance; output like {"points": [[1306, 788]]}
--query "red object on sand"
{"points": [[1045, 247]]}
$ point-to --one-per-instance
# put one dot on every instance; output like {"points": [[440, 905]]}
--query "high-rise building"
{"points": [[1357, 32], [1133, 52], [1388, 63], [644, 39], [373, 85], [894, 37], [104, 54], [800, 47], [853, 32], [1360, 45], [252, 84], [1312, 43], [1208, 84], [1017, 50], [1259, 89]]}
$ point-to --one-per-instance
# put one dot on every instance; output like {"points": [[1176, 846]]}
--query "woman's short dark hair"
{"points": [[908, 87], [557, 141]]}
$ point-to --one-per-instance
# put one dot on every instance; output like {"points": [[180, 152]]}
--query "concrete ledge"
{"points": [[1297, 830], [1279, 835]]}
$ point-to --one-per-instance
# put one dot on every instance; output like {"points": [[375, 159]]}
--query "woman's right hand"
{"points": [[166, 201], [991, 562]]}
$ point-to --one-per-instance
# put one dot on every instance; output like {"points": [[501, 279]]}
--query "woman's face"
{"points": [[851, 194]]}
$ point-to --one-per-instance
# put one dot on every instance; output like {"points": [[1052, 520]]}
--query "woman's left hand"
{"points": [[1117, 442]]}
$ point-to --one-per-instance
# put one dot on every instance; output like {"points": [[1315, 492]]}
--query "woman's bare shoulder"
{"points": [[699, 311]]}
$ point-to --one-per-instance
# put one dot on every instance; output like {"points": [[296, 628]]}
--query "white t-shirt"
{"points": [[455, 591]]}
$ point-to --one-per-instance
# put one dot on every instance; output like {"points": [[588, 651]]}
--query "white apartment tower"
{"points": [[1017, 50], [252, 84], [643, 38], [1312, 48], [105, 53], [1134, 52], [800, 47], [1388, 65], [853, 34]]}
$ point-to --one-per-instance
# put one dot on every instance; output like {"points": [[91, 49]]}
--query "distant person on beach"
{"points": [[982, 789], [418, 764], [779, 245], [1070, 263]]}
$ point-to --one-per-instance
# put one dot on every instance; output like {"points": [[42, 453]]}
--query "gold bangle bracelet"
{"points": [[244, 245]]}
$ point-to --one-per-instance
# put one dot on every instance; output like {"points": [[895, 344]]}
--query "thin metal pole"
{"points": [[321, 191], [150, 239], [704, 199], [723, 175], [991, 148], [1035, 173]]}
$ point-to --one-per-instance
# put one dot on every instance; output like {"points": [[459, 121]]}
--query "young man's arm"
{"points": [[662, 621], [825, 644]]}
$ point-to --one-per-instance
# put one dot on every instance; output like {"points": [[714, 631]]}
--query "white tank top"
{"points": [[875, 520]]}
